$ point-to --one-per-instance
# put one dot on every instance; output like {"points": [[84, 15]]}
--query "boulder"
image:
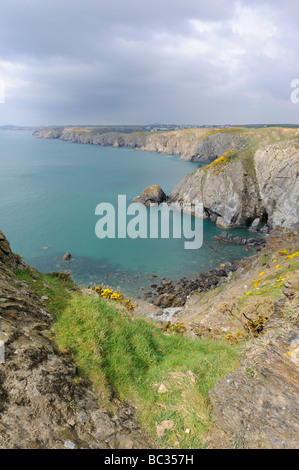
{"points": [[152, 195]]}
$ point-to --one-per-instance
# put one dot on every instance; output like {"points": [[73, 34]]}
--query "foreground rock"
{"points": [[257, 406], [152, 195], [40, 404]]}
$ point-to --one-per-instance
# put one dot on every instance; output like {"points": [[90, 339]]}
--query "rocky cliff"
{"points": [[41, 406], [195, 144], [261, 181], [257, 405]]}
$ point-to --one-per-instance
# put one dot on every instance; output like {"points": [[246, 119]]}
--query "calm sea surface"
{"points": [[48, 194]]}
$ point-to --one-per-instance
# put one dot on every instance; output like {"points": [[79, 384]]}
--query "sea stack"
{"points": [[152, 195]]}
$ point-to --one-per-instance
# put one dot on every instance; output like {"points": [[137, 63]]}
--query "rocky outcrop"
{"points": [[228, 192], [41, 406], [67, 256], [257, 406], [228, 238], [213, 145], [252, 184], [277, 173], [152, 195]]}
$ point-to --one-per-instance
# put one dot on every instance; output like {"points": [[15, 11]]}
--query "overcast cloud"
{"points": [[136, 61]]}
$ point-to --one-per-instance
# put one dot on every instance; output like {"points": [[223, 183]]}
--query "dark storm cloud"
{"points": [[136, 61]]}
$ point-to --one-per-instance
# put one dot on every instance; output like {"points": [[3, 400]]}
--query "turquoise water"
{"points": [[48, 194]]}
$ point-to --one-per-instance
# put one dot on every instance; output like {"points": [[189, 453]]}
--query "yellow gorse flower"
{"points": [[111, 295], [292, 256]]}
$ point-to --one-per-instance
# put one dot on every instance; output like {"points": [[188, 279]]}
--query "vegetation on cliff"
{"points": [[130, 358], [241, 185], [171, 374]]}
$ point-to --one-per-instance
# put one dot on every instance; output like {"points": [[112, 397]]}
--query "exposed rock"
{"points": [[194, 144], [67, 256], [228, 238], [258, 404], [257, 183], [174, 294], [277, 171], [162, 389], [165, 425], [231, 195], [152, 195]]}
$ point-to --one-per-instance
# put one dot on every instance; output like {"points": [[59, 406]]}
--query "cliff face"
{"points": [[242, 186], [192, 144], [40, 404], [277, 172], [257, 404], [229, 197]]}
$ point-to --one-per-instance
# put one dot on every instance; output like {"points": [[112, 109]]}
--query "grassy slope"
{"points": [[130, 358], [251, 292]]}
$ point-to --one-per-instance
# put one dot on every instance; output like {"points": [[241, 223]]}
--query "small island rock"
{"points": [[152, 195]]}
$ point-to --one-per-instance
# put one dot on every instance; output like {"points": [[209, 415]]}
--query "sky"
{"points": [[72, 62]]}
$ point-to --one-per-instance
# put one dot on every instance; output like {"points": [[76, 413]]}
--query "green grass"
{"points": [[129, 358]]}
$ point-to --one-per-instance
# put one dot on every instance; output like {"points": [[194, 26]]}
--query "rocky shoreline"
{"points": [[175, 293], [225, 237]]}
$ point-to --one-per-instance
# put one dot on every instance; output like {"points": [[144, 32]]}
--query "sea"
{"points": [[49, 191]]}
